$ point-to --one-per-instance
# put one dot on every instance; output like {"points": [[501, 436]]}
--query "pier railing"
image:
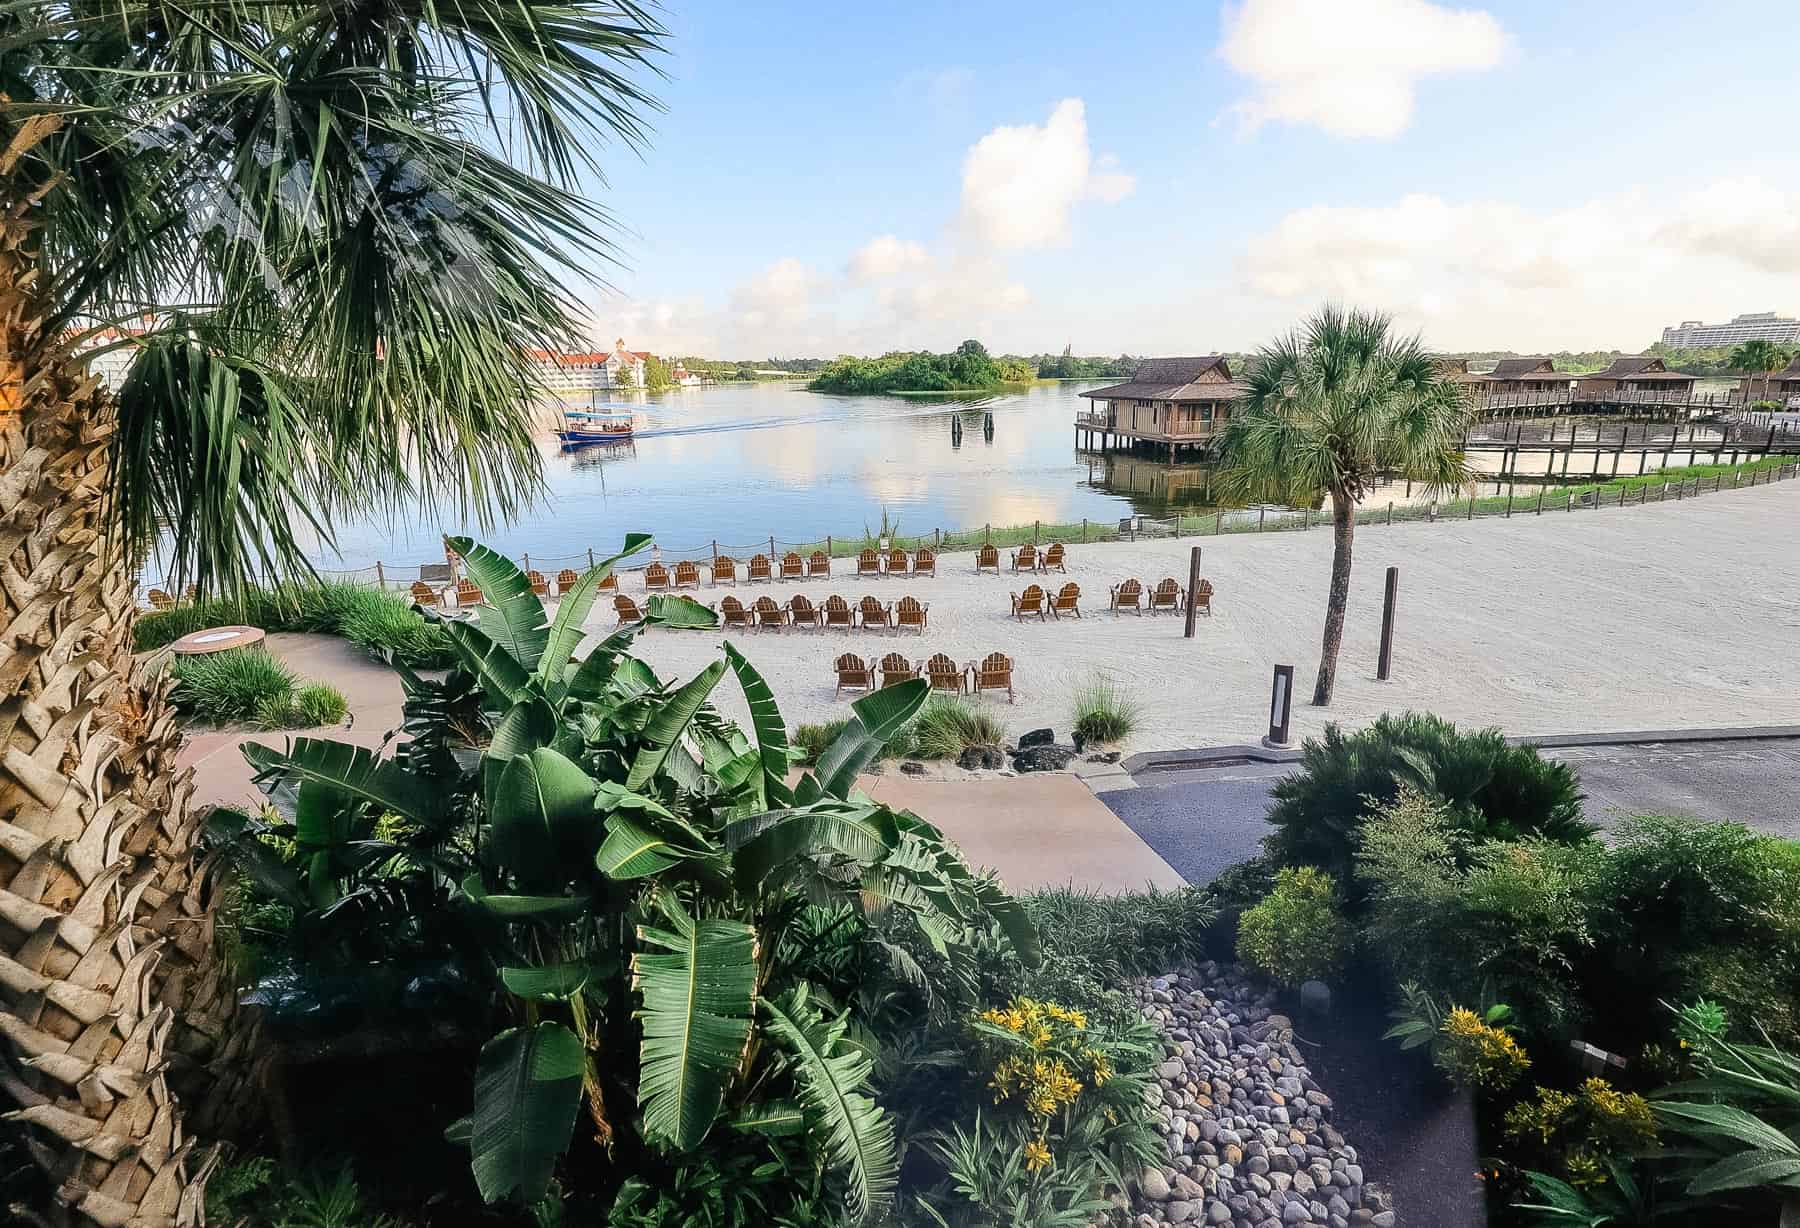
{"points": [[1619, 493]]}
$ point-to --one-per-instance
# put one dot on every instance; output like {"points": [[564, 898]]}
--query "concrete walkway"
{"points": [[1045, 830]]}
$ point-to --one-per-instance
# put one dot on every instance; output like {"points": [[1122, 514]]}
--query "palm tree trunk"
{"points": [[94, 828], [1343, 529]]}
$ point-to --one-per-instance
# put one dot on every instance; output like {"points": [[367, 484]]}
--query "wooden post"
{"points": [[380, 576], [1540, 505], [937, 538], [1390, 518], [1509, 499], [590, 558], [1569, 502], [527, 558], [1193, 607], [715, 549], [828, 546], [771, 547], [1262, 514], [987, 533], [1084, 530], [1037, 532], [1386, 659]]}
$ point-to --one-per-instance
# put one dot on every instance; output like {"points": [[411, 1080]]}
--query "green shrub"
{"points": [[1490, 790], [236, 685], [382, 624], [813, 739], [1104, 712], [1298, 932], [308, 707], [1139, 933], [946, 727]]}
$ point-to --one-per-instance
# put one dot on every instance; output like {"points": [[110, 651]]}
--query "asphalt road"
{"points": [[1202, 822]]}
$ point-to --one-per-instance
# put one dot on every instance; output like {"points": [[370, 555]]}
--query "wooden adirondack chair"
{"points": [[1025, 559], [911, 612], [733, 614], [896, 562], [467, 594], [853, 674], [1067, 600], [539, 585], [874, 614], [566, 579], [768, 614], [160, 600], [895, 669], [609, 585], [656, 577], [925, 562], [761, 570], [819, 564], [1128, 595], [838, 613], [422, 593], [987, 559], [1030, 602], [793, 567], [944, 674], [627, 610], [995, 674], [724, 570], [868, 563], [802, 612], [687, 574], [1203, 597], [1166, 596], [1053, 557]]}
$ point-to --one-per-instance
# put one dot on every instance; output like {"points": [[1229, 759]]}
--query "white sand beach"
{"points": [[1678, 615]]}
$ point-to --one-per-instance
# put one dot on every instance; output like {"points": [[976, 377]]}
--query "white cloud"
{"points": [[1020, 183], [1609, 271], [886, 256], [1351, 66]]}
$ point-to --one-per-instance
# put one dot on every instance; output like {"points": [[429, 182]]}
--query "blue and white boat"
{"points": [[597, 424]]}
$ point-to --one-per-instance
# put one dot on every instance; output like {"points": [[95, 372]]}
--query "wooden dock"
{"points": [[1728, 444]]}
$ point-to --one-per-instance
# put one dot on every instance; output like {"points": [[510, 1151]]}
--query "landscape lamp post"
{"points": [[1281, 706]]}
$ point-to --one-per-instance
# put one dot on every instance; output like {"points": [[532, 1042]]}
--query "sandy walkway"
{"points": [[1655, 617]]}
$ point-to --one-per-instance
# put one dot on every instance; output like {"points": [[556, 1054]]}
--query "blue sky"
{"points": [[1181, 178]]}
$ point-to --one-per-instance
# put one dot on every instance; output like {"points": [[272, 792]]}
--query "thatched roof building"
{"points": [[1639, 374], [1533, 374], [1171, 399]]}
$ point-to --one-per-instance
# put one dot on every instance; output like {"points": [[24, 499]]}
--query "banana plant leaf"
{"points": [[543, 826], [878, 717], [502, 677], [698, 1000], [774, 1118], [527, 1092], [830, 1075], [679, 613], [572, 609], [505, 907], [550, 982], [670, 722], [864, 834], [354, 770], [512, 616], [770, 729]]}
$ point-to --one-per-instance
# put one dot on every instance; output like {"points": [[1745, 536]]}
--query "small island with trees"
{"points": [[968, 368]]}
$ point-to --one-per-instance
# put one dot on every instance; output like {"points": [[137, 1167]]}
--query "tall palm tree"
{"points": [[334, 230], [1331, 408], [1759, 355]]}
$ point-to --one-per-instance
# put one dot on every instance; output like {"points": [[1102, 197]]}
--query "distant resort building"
{"points": [[1168, 401], [1456, 369], [1782, 387], [1534, 374], [1638, 375], [684, 377], [578, 375], [1751, 326]]}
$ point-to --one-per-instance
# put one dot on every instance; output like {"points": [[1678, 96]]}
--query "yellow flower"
{"points": [[1037, 1155]]}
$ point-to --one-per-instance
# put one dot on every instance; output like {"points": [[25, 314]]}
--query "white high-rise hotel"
{"points": [[1751, 326]]}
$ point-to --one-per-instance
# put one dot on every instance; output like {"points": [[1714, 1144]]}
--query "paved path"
{"points": [[1203, 821]]}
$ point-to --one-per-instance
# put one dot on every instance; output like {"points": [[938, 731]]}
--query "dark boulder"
{"points": [[1050, 758], [978, 757], [1037, 737]]}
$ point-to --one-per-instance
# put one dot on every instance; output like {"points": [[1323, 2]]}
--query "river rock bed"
{"points": [[1247, 1132]]}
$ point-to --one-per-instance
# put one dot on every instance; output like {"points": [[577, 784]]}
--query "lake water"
{"points": [[738, 463]]}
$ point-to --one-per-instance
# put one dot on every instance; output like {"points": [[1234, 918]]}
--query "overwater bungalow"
{"points": [[1781, 386], [1636, 377], [1173, 402], [1531, 375]]}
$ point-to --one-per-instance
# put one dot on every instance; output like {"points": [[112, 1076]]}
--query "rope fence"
{"points": [[1629, 492]]}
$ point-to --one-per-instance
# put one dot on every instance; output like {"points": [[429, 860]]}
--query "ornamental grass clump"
{"points": [[1105, 712], [1298, 932], [945, 728], [223, 687]]}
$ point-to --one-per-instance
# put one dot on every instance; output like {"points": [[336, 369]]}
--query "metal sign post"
{"points": [[1281, 705]]}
